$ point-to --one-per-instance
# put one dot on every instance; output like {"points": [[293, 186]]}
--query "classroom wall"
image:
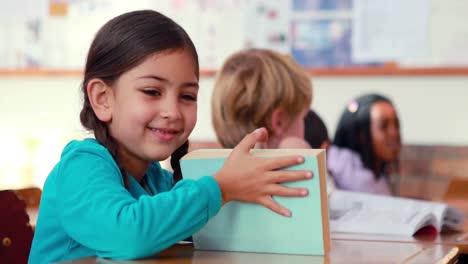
{"points": [[433, 110]]}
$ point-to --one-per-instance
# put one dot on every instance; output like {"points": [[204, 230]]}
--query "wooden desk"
{"points": [[343, 251], [446, 239], [346, 248]]}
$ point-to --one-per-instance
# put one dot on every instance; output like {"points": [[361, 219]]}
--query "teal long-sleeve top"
{"points": [[86, 210]]}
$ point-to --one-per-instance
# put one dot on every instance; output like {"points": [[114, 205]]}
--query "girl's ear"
{"points": [[100, 96], [278, 122]]}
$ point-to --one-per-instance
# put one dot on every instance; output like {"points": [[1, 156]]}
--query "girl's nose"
{"points": [[394, 130], [170, 110]]}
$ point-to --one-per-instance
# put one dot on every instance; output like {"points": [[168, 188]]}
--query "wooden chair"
{"points": [[31, 196], [16, 233]]}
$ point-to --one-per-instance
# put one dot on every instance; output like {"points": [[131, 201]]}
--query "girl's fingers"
{"points": [[249, 141], [280, 190], [269, 203], [261, 134], [281, 162], [289, 175]]}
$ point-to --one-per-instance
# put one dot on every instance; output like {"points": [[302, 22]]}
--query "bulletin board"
{"points": [[327, 37]]}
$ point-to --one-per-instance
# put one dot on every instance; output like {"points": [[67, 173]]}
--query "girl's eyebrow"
{"points": [[153, 77], [161, 79]]}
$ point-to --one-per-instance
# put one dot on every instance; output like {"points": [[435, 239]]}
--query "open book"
{"points": [[354, 212], [253, 228]]}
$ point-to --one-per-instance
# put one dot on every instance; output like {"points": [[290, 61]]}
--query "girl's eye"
{"points": [[384, 125], [189, 97], [151, 92]]}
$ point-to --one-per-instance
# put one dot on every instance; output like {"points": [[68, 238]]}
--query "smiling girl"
{"points": [[108, 196], [367, 141]]}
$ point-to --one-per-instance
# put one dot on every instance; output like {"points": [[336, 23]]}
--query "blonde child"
{"points": [[108, 196], [261, 88]]}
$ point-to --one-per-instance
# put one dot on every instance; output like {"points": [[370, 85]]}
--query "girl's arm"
{"points": [[99, 213]]}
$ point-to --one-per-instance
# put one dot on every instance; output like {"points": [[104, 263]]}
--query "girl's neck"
{"points": [[137, 170], [378, 168], [136, 167], [137, 175]]}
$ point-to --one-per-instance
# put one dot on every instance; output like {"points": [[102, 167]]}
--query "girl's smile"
{"points": [[164, 134]]}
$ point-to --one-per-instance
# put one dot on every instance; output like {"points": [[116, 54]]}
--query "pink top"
{"points": [[349, 173]]}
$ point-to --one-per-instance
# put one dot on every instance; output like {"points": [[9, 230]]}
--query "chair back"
{"points": [[31, 196], [16, 233]]}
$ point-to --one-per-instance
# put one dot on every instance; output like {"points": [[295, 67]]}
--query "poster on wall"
{"points": [[449, 33], [379, 36], [321, 5], [321, 33], [321, 42], [267, 25], [22, 28]]}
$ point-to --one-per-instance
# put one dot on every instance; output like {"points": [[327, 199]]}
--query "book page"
{"points": [[375, 214], [454, 219]]}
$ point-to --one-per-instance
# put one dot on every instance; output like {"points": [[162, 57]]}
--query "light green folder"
{"points": [[253, 228]]}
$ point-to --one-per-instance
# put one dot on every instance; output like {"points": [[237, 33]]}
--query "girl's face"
{"points": [[154, 108], [385, 131]]}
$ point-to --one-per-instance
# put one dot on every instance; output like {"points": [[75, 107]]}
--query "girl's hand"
{"points": [[247, 178]]}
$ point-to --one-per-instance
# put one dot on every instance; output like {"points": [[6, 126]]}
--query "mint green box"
{"points": [[253, 228]]}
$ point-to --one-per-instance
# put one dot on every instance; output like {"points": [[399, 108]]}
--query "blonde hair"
{"points": [[250, 86]]}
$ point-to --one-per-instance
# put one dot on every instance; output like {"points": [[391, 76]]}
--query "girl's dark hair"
{"points": [[120, 45], [353, 130], [315, 131]]}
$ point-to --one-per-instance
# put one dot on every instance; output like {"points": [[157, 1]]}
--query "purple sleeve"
{"points": [[349, 173]]}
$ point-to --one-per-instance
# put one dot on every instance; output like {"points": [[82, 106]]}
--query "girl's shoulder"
{"points": [[85, 146], [343, 155], [87, 153], [82, 162]]}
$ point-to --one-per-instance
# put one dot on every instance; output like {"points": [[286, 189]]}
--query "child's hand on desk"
{"points": [[247, 178]]}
